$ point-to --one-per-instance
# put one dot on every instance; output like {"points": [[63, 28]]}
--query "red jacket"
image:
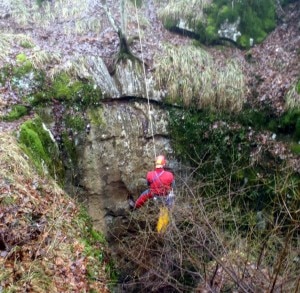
{"points": [[160, 181]]}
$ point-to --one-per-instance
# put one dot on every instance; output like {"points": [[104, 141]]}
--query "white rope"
{"points": [[145, 80]]}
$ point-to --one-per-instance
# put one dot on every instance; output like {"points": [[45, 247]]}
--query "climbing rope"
{"points": [[164, 213], [145, 80]]}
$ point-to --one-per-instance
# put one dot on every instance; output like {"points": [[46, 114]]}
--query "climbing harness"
{"points": [[157, 177]]}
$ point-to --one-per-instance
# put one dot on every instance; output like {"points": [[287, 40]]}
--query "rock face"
{"points": [[117, 153], [126, 132], [230, 30]]}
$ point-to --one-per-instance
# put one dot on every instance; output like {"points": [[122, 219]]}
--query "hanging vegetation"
{"points": [[254, 19]]}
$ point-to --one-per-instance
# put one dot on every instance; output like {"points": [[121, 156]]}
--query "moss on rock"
{"points": [[96, 116], [23, 67], [79, 93], [38, 144], [16, 112], [75, 122], [255, 19]]}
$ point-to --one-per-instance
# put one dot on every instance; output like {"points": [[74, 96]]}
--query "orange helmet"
{"points": [[160, 162]]}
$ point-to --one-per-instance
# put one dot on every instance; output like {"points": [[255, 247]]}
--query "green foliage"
{"points": [[63, 88], [89, 95], [286, 124], [21, 58], [257, 18], [220, 151], [5, 73], [226, 13], [298, 87], [257, 119], [8, 200], [26, 44], [96, 116], [40, 2], [210, 33], [208, 135], [85, 222], [289, 122], [138, 3], [38, 144], [94, 247], [23, 66], [39, 98], [295, 148], [16, 112], [200, 29], [252, 25], [170, 23], [244, 41], [77, 93], [69, 150], [75, 122]]}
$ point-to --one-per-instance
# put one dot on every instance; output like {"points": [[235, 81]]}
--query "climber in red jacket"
{"points": [[160, 182]]}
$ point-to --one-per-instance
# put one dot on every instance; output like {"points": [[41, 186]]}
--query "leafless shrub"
{"points": [[206, 247]]}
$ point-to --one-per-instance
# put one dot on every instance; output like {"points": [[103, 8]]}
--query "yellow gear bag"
{"points": [[163, 220]]}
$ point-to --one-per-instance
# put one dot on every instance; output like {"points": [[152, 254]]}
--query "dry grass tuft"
{"points": [[73, 14], [188, 11], [292, 98], [12, 159], [191, 77], [4, 46], [7, 41], [41, 59], [77, 66]]}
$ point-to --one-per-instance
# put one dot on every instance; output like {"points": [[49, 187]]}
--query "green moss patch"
{"points": [[295, 148], [289, 122], [78, 93], [70, 151], [75, 122], [255, 19], [220, 149], [96, 116], [94, 243], [23, 67], [5, 73], [38, 144], [16, 112]]}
